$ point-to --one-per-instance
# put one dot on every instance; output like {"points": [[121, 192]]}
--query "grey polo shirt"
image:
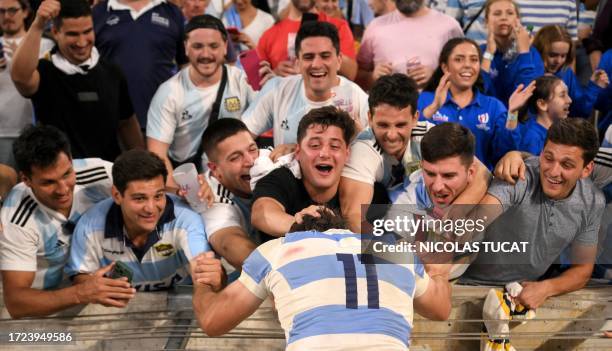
{"points": [[549, 226]]}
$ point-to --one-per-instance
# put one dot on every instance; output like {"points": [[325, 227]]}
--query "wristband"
{"points": [[487, 56], [512, 116]]}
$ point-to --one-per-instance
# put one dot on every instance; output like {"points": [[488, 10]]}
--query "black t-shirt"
{"points": [[87, 107], [284, 187]]}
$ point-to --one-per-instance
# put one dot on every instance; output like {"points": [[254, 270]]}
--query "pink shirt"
{"points": [[395, 38]]}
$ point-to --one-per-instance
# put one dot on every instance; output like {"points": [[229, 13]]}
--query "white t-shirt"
{"points": [[282, 103], [16, 111], [369, 163], [261, 23], [180, 111]]}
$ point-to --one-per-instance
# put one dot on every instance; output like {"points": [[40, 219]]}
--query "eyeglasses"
{"points": [[11, 11]]}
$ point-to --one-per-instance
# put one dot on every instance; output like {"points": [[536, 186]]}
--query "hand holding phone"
{"points": [[121, 270]]}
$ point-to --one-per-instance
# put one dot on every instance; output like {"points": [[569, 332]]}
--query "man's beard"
{"points": [[303, 7], [408, 7]]}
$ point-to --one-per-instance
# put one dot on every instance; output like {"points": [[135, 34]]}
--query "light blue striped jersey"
{"points": [[369, 163], [540, 13], [36, 238], [179, 111], [100, 239], [412, 192], [327, 298], [282, 103]]}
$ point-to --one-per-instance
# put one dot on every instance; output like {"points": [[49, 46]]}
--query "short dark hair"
{"points": [[317, 29], [328, 219], [397, 90], [448, 140], [137, 165], [206, 21], [39, 146], [575, 132], [327, 116], [72, 9], [218, 131]]}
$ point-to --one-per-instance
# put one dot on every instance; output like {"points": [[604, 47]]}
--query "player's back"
{"points": [[329, 297]]}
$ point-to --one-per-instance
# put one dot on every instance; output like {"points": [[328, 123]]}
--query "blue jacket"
{"points": [[583, 98], [534, 137], [604, 100], [503, 77], [485, 116]]}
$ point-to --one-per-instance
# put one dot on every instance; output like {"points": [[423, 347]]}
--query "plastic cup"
{"points": [[186, 177]]}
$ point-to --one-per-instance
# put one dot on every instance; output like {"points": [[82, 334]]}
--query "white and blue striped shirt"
{"points": [[100, 239], [327, 298], [37, 238], [282, 103], [180, 111]]}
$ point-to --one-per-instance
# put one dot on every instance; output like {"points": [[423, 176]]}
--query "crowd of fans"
{"points": [[297, 114]]}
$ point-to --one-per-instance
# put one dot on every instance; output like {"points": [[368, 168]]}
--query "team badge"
{"points": [[164, 249], [232, 104], [112, 20], [483, 118]]}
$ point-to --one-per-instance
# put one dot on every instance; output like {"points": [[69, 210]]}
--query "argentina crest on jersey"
{"points": [[232, 104]]}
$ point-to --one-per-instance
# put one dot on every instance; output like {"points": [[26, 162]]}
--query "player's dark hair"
{"points": [[218, 131], [317, 29], [72, 9], [39, 146], [206, 21], [328, 219], [445, 54], [448, 140], [575, 132], [397, 90], [137, 165], [327, 116]]}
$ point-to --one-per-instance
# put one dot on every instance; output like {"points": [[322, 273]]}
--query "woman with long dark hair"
{"points": [[454, 94]]}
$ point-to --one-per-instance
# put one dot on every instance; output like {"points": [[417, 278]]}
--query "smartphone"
{"points": [[121, 270], [250, 63], [233, 30]]}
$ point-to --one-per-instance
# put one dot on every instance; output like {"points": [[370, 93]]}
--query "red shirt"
{"points": [[272, 45]]}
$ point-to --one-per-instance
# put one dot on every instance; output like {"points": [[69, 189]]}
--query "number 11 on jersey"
{"points": [[350, 279]]}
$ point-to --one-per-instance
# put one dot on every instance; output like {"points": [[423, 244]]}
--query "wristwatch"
{"points": [[487, 56]]}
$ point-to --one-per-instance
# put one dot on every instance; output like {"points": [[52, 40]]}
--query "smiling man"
{"points": [[284, 101], [39, 216], [153, 234], [555, 208], [204, 91], [387, 150], [281, 198], [73, 89]]}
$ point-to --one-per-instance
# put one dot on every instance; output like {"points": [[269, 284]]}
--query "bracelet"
{"points": [[487, 56], [512, 116]]}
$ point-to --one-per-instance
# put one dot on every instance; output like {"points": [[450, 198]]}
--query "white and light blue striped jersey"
{"points": [[179, 111], [540, 13], [228, 210], [282, 103], [100, 239], [369, 163], [328, 299], [412, 192], [36, 238]]}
